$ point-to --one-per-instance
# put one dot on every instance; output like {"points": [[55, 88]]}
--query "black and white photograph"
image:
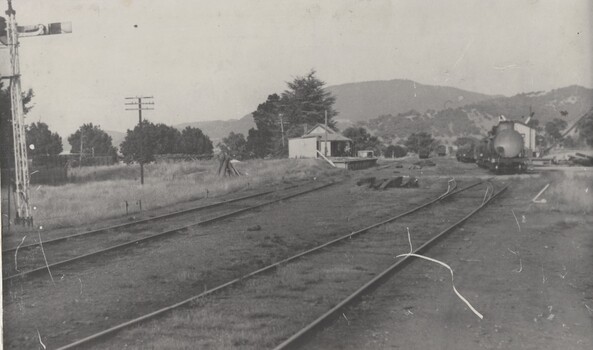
{"points": [[282, 174]]}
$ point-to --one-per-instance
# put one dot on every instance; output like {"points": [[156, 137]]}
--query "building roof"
{"points": [[323, 126], [503, 119], [332, 135], [519, 122]]}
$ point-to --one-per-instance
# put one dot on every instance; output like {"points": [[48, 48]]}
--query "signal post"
{"points": [[9, 36]]}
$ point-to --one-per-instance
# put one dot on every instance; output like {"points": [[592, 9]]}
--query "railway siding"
{"points": [[73, 250], [292, 295], [174, 269], [532, 285]]}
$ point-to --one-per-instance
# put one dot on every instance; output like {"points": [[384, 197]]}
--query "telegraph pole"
{"points": [[282, 128], [325, 143], [140, 107], [21, 165], [81, 142]]}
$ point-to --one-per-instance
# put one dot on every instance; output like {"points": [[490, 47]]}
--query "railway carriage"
{"points": [[466, 153]]}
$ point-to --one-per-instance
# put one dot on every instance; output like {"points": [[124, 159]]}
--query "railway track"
{"points": [[100, 336], [35, 245], [301, 337], [68, 250]]}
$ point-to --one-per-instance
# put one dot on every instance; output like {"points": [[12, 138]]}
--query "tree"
{"points": [[534, 124], [95, 141], [193, 141], [554, 129], [541, 141], [6, 140], [586, 130], [257, 145], [363, 140], [418, 141], [166, 139], [42, 141], [269, 128], [144, 142], [395, 151], [234, 145], [139, 145], [306, 101], [463, 140], [569, 142]]}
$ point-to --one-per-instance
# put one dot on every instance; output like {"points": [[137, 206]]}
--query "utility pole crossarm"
{"points": [[139, 103]]}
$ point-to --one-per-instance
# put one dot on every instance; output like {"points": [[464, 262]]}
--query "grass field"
{"points": [[571, 193], [100, 192]]}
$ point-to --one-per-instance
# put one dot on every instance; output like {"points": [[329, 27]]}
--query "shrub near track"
{"points": [[100, 192]]}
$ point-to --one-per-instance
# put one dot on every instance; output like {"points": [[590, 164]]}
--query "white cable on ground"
{"points": [[40, 342], [535, 199], [16, 252], [489, 186], [451, 186], [45, 258], [445, 265], [517, 221]]}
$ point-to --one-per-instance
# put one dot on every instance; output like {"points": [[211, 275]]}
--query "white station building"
{"points": [[320, 138]]}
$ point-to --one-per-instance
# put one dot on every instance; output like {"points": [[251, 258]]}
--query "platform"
{"points": [[354, 163]]}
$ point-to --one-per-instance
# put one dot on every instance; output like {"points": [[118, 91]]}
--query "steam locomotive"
{"points": [[502, 150]]}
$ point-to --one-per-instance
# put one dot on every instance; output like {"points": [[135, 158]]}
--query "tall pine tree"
{"points": [[304, 103]]}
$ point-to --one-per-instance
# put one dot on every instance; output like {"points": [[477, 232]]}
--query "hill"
{"points": [[394, 109], [477, 118], [117, 137], [366, 100], [217, 129]]}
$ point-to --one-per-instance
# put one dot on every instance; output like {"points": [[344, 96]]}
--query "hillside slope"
{"points": [[217, 129], [366, 100], [477, 118]]}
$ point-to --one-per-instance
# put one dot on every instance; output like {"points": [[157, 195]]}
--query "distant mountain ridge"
{"points": [[370, 99], [475, 119], [362, 101], [217, 129], [393, 109]]}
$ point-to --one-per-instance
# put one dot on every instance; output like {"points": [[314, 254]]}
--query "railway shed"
{"points": [[528, 133], [320, 138]]}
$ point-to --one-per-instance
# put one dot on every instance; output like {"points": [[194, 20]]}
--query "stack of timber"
{"points": [[226, 168], [393, 182]]}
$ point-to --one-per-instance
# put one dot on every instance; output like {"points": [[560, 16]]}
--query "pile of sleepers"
{"points": [[581, 159], [393, 182]]}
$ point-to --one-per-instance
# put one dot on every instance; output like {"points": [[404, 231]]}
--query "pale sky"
{"points": [[206, 60]]}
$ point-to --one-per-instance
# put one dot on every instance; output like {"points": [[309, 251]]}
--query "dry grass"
{"points": [[100, 192], [571, 193]]}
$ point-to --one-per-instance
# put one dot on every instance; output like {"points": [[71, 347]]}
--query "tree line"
{"points": [[140, 144], [288, 114]]}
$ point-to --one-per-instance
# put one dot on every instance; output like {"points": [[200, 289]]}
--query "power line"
{"points": [[140, 106]]}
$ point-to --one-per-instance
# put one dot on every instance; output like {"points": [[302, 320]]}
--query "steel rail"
{"points": [[158, 235], [299, 337], [137, 222], [95, 337]]}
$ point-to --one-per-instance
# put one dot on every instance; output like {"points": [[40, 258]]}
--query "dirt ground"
{"points": [[533, 286], [150, 276], [294, 293], [530, 278]]}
